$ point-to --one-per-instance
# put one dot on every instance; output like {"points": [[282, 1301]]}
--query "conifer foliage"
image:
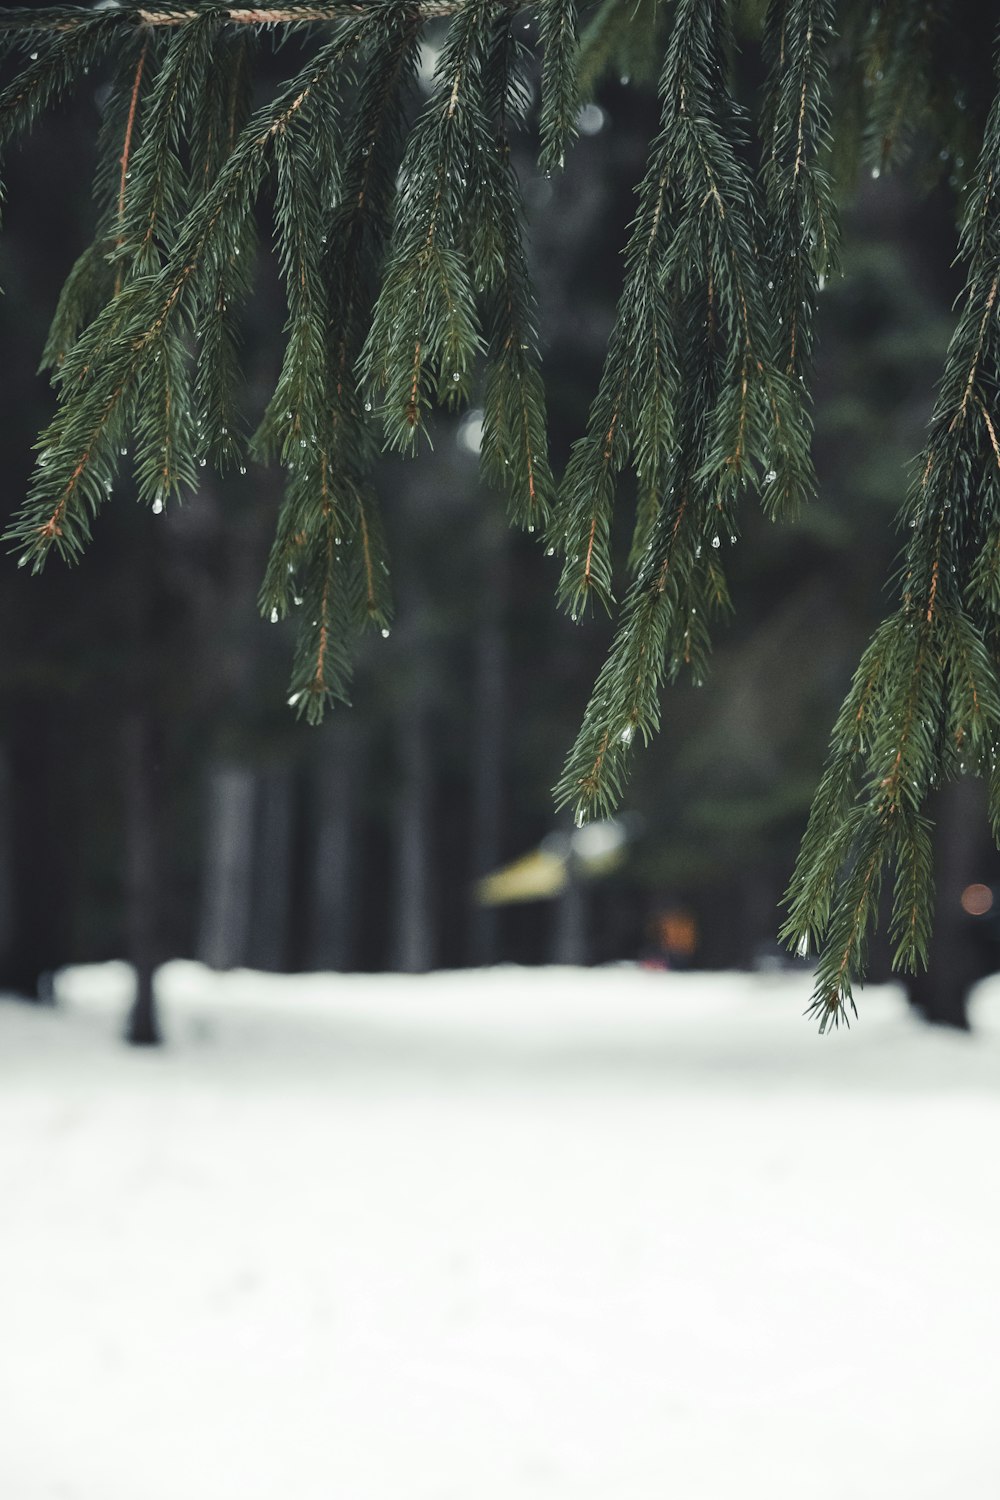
{"points": [[398, 233]]}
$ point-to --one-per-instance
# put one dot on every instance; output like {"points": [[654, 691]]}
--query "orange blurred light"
{"points": [[977, 900]]}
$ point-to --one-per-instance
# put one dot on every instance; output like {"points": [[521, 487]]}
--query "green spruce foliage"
{"points": [[398, 234]]}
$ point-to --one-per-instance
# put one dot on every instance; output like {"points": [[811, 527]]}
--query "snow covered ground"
{"points": [[510, 1235]]}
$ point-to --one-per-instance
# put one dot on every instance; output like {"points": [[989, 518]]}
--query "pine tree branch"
{"points": [[63, 19]]}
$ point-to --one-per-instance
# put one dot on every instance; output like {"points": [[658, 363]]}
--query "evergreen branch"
{"points": [[157, 200], [100, 373], [560, 50], [513, 453], [67, 19], [223, 109], [424, 332], [52, 71]]}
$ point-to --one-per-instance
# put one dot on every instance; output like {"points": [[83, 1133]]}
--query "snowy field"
{"points": [[511, 1235]]}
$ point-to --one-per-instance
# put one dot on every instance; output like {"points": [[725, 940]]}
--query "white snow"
{"points": [[602, 1235]]}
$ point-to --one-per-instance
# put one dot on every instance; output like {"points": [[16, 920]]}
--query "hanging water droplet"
{"points": [[243, 468], [628, 734], [274, 617], [455, 375], [34, 56], [531, 528], [223, 430], [385, 632], [202, 462], [697, 550], [158, 506], [123, 452], [550, 552], [296, 598], [820, 282], [770, 476], [294, 699], [302, 442], [770, 286], [802, 947], [716, 541], [876, 172], [107, 486], [732, 540], [22, 562], [337, 541], [368, 406]]}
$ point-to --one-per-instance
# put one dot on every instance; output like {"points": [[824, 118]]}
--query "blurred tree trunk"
{"points": [[414, 934], [940, 994], [142, 874], [335, 794], [570, 940], [488, 740], [227, 884], [273, 884]]}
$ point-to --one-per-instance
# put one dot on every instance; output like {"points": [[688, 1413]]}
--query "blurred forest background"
{"points": [[157, 796]]}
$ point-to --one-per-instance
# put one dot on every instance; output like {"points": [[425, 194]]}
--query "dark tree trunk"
{"points": [[941, 993], [569, 944], [488, 750], [335, 785], [269, 939], [142, 883], [414, 934], [227, 883], [41, 824]]}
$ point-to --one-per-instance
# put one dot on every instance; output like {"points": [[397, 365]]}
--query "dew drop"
{"points": [[802, 947], [337, 541], [550, 552], [876, 172], [202, 462], [456, 376], [385, 632], [294, 699], [770, 476], [578, 820], [531, 528], [732, 541], [274, 617], [22, 562], [243, 468], [34, 56], [628, 734], [158, 506], [716, 541], [697, 550], [123, 452]]}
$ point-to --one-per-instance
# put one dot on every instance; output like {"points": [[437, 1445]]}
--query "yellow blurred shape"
{"points": [[537, 876]]}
